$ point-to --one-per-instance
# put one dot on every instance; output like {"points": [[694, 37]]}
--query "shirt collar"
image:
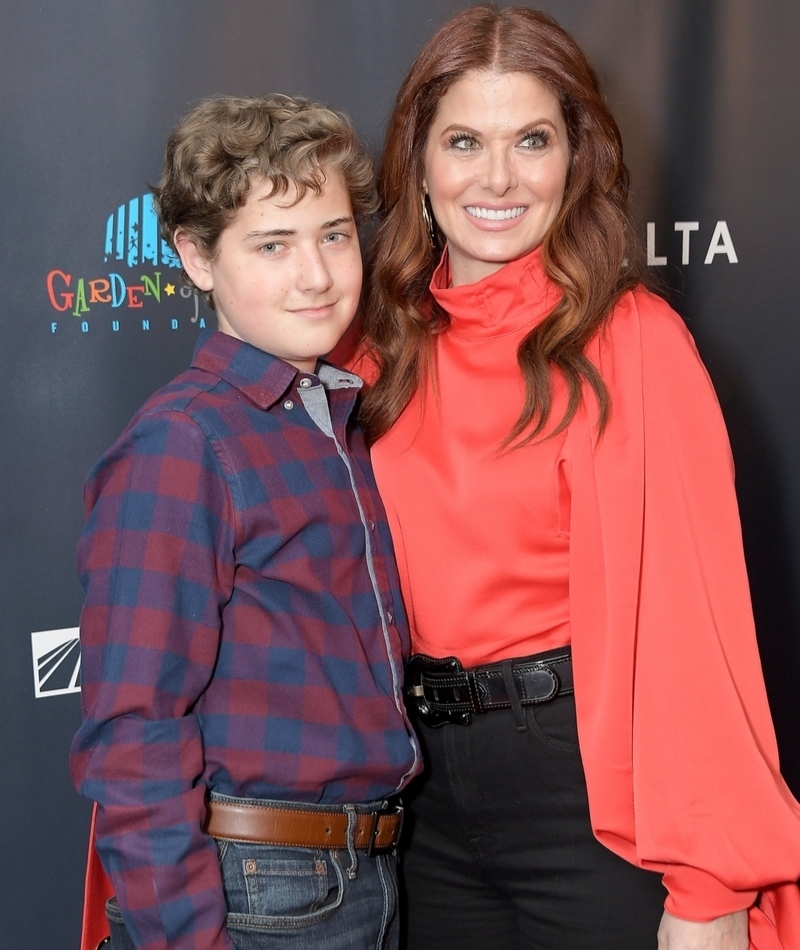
{"points": [[262, 377], [516, 295]]}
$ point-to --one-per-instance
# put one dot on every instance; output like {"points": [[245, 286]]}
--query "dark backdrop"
{"points": [[94, 319]]}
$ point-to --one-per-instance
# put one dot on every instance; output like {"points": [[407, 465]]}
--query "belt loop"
{"points": [[513, 695], [373, 831], [352, 819], [474, 691]]}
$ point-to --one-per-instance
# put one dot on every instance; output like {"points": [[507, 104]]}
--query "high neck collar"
{"points": [[518, 295]]}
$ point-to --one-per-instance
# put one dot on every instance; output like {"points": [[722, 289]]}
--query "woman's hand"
{"points": [[722, 933]]}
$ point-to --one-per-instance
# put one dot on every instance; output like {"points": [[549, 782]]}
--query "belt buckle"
{"points": [[417, 666], [372, 847]]}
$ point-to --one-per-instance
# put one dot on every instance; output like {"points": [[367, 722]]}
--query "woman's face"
{"points": [[496, 165]]}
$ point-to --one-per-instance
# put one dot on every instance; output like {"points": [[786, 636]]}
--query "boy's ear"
{"points": [[195, 263]]}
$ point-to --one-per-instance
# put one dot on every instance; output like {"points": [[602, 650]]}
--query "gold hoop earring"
{"points": [[427, 217]]}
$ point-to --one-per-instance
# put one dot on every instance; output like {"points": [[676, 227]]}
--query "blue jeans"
{"points": [[301, 898]]}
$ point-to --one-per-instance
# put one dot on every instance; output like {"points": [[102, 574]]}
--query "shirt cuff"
{"points": [[699, 896]]}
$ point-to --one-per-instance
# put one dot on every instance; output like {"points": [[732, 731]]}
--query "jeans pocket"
{"points": [[278, 887], [555, 723], [271, 888]]}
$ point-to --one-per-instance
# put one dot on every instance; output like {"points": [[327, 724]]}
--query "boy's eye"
{"points": [[271, 247], [462, 142], [335, 237]]}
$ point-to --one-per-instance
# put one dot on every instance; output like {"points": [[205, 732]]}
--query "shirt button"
{"points": [[372, 526], [390, 616], [288, 404], [305, 382]]}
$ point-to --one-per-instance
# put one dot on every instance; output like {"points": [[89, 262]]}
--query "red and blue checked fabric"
{"points": [[243, 630]]}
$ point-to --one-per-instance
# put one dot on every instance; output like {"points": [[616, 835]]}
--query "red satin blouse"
{"points": [[481, 529], [676, 736]]}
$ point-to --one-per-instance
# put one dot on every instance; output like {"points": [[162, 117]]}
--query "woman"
{"points": [[558, 480]]}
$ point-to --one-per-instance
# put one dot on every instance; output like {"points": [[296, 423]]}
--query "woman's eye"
{"points": [[539, 138], [462, 142]]}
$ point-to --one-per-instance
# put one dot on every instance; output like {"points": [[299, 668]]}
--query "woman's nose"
{"points": [[499, 175]]}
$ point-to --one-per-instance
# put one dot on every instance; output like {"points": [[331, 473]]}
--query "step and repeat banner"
{"points": [[94, 316]]}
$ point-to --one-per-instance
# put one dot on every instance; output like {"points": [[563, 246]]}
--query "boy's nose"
{"points": [[314, 274]]}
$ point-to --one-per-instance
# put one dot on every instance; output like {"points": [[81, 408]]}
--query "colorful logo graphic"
{"points": [[141, 274], [132, 235], [56, 662]]}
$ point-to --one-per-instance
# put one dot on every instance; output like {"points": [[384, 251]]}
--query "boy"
{"points": [[243, 634]]}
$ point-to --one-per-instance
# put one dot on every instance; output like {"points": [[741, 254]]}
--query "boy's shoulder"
{"points": [[189, 402], [169, 424], [220, 398], [181, 411], [223, 369], [188, 437], [185, 391]]}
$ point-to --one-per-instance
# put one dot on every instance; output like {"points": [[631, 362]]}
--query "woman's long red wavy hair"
{"points": [[588, 251]]}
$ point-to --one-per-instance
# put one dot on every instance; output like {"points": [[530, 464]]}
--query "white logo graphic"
{"points": [[721, 243], [56, 662]]}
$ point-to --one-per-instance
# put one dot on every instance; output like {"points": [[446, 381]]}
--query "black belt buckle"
{"points": [[418, 665]]}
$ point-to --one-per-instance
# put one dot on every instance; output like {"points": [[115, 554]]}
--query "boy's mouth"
{"points": [[318, 311]]}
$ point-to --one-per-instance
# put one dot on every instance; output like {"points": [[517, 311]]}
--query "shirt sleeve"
{"points": [[680, 753], [703, 733], [157, 561]]}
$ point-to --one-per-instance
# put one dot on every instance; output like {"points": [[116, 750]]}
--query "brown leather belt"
{"points": [[299, 828]]}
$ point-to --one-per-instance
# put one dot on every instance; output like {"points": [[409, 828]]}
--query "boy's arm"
{"points": [[156, 560]]}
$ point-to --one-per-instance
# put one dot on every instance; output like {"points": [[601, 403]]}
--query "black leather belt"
{"points": [[442, 691]]}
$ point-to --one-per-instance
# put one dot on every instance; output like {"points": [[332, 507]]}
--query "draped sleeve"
{"points": [[676, 736]]}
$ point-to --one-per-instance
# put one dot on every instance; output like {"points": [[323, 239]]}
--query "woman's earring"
{"points": [[427, 217]]}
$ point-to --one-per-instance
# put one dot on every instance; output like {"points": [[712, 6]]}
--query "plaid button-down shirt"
{"points": [[243, 630]]}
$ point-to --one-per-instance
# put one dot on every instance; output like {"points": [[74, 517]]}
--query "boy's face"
{"points": [[287, 277]]}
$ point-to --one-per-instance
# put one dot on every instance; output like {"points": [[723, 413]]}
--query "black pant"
{"points": [[500, 852]]}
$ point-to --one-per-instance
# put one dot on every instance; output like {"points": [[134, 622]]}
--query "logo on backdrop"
{"points": [[719, 245], [56, 662], [138, 286]]}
